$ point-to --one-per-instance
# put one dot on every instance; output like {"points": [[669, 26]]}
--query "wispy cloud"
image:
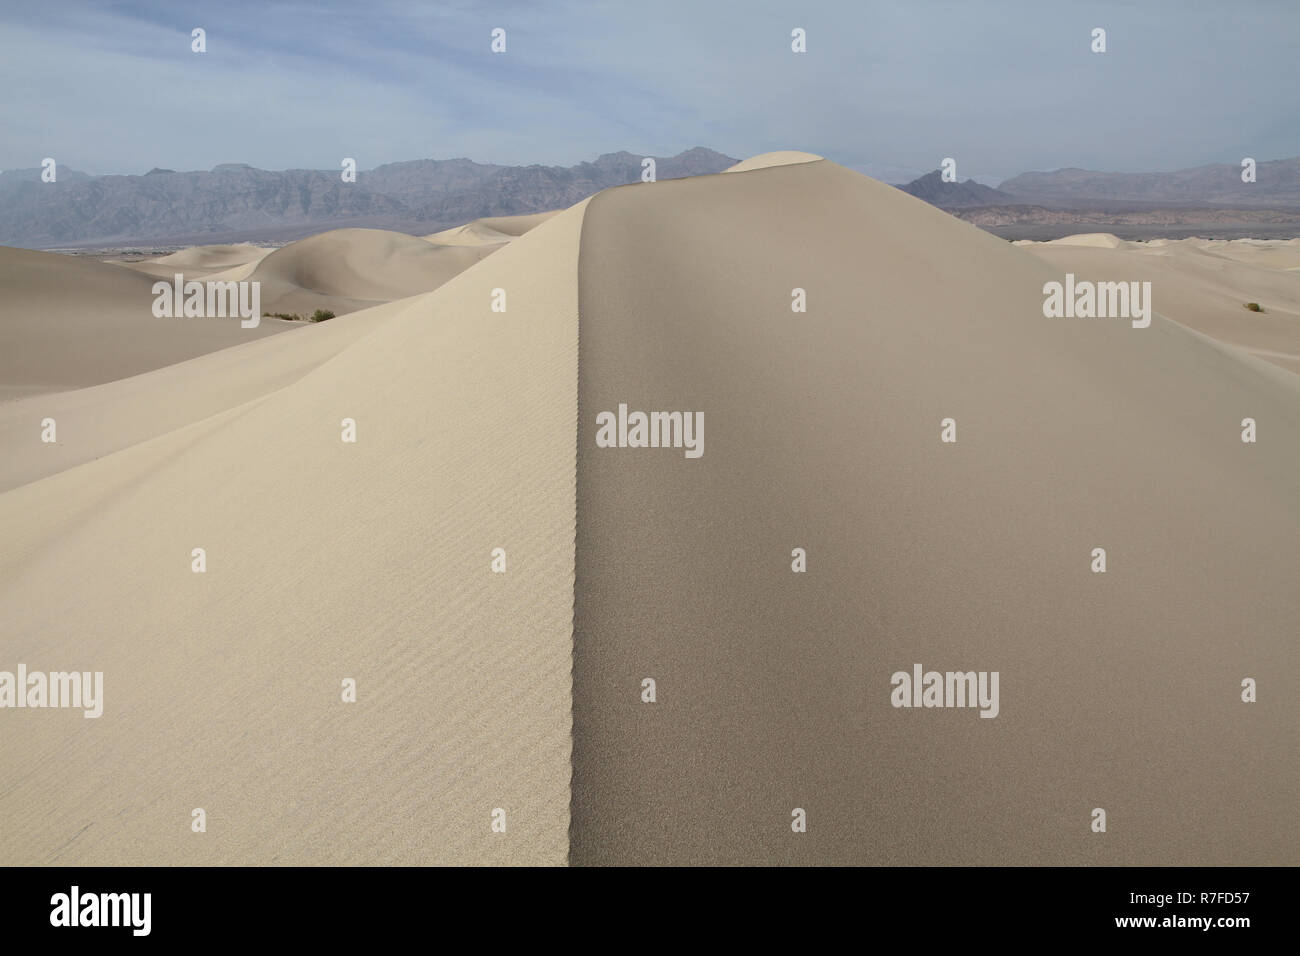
{"points": [[1002, 86]]}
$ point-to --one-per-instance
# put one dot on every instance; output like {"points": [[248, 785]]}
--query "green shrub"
{"points": [[1254, 307], [320, 315]]}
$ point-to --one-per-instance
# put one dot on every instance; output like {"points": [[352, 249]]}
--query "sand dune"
{"points": [[96, 421], [785, 157], [489, 231], [200, 261], [1203, 284], [326, 561], [235, 273], [1266, 253], [67, 322], [342, 270], [349, 269], [1090, 240], [522, 691], [1118, 690]]}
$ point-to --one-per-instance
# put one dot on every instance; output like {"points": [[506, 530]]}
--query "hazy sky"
{"points": [[1002, 87]]}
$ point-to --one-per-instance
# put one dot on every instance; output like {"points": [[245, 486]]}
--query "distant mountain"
{"points": [[935, 191], [237, 201], [11, 178], [1277, 184]]}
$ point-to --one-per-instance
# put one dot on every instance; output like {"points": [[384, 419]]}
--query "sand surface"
{"points": [[1203, 284], [1118, 690], [345, 270], [782, 157], [68, 322], [490, 230], [201, 261], [325, 561], [522, 691], [96, 421]]}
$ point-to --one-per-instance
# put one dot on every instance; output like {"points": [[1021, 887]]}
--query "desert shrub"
{"points": [[320, 315], [1254, 307]]}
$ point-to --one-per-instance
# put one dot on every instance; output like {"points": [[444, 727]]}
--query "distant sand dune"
{"points": [[1202, 284], [491, 230], [200, 261], [1093, 240], [1266, 253], [348, 269], [67, 322], [785, 157]]}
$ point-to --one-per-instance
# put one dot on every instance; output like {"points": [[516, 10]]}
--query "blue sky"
{"points": [[887, 87]]}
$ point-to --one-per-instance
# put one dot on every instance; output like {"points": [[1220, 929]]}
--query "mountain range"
{"points": [[936, 192], [235, 202], [1277, 184]]}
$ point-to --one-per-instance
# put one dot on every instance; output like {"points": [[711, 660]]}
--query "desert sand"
{"points": [[201, 261], [784, 157], [522, 691], [1203, 284], [68, 322], [96, 421], [1118, 690], [325, 561], [491, 230], [345, 270]]}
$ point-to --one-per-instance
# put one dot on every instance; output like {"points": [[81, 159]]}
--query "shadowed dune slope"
{"points": [[325, 561], [1118, 690], [69, 322]]}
